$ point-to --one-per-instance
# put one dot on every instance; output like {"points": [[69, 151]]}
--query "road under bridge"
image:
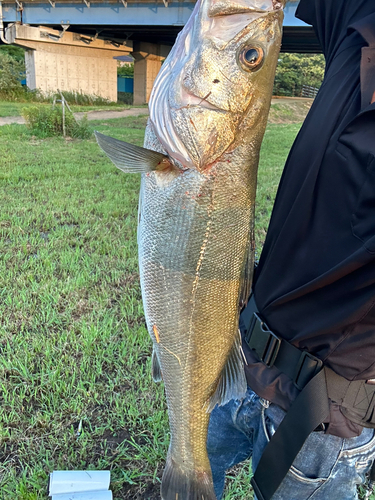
{"points": [[72, 43]]}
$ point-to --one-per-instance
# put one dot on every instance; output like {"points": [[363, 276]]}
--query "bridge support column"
{"points": [[148, 58], [59, 60]]}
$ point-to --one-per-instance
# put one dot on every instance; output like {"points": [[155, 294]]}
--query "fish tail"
{"points": [[178, 484]]}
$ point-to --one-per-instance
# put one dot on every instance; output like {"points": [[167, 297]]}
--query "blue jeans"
{"points": [[327, 467]]}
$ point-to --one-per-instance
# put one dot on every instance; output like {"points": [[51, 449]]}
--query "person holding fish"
{"points": [[309, 328], [308, 332]]}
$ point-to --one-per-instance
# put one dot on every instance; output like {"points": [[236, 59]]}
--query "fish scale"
{"points": [[208, 113], [191, 291]]}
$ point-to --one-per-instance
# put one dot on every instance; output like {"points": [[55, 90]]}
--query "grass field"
{"points": [[76, 389], [11, 108]]}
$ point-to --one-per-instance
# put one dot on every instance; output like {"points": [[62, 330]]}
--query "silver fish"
{"points": [[208, 113]]}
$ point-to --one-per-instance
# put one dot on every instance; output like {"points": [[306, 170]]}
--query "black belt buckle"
{"points": [[263, 341], [307, 367], [272, 348]]}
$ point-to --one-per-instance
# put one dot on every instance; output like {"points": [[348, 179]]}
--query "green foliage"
{"points": [[11, 73], [125, 97], [46, 121], [15, 52], [24, 94], [83, 99], [125, 70], [296, 70]]}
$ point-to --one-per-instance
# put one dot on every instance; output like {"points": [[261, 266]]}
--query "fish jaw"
{"points": [[203, 94]]}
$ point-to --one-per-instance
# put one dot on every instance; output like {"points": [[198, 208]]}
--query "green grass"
{"points": [[72, 337], [74, 350], [12, 108]]}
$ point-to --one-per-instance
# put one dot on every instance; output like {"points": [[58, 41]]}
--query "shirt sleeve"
{"points": [[331, 19]]}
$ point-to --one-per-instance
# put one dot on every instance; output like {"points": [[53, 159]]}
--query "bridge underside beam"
{"points": [[113, 12], [300, 39], [177, 13], [295, 39], [141, 20]]}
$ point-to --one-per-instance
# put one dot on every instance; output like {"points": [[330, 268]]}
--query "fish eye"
{"points": [[251, 58]]}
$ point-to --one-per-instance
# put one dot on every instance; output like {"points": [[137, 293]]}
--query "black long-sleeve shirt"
{"points": [[315, 284]]}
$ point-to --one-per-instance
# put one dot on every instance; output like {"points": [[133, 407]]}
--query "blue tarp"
{"points": [[125, 84]]}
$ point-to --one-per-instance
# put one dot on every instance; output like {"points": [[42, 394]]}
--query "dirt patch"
{"points": [[91, 115], [105, 115], [289, 110], [283, 110], [9, 120], [132, 492], [152, 492]]}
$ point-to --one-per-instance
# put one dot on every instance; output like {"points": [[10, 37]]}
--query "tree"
{"points": [[296, 70], [15, 52], [11, 74], [126, 70]]}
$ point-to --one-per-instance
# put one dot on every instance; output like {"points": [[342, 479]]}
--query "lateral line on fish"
{"points": [[210, 209], [203, 249]]}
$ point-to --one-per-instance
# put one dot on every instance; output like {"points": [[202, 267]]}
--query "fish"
{"points": [[207, 116]]}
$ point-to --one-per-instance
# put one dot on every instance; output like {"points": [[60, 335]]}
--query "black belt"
{"points": [[307, 412], [299, 366], [310, 409]]}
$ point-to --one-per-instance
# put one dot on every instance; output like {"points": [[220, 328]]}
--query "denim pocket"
{"points": [[327, 466], [361, 456], [317, 457], [312, 467]]}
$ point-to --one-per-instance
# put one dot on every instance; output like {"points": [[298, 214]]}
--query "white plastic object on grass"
{"points": [[79, 481], [87, 495]]}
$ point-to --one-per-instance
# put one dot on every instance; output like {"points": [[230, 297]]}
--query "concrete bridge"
{"points": [[71, 43]]}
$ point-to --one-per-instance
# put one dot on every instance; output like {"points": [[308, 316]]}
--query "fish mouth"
{"points": [[206, 130]]}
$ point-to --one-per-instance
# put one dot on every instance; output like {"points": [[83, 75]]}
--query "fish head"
{"points": [[215, 87]]}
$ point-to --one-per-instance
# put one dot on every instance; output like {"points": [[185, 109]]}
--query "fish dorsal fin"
{"points": [[232, 383], [130, 158], [156, 370]]}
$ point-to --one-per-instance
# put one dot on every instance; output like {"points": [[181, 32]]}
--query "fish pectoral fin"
{"points": [[133, 159], [232, 383], [156, 370]]}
